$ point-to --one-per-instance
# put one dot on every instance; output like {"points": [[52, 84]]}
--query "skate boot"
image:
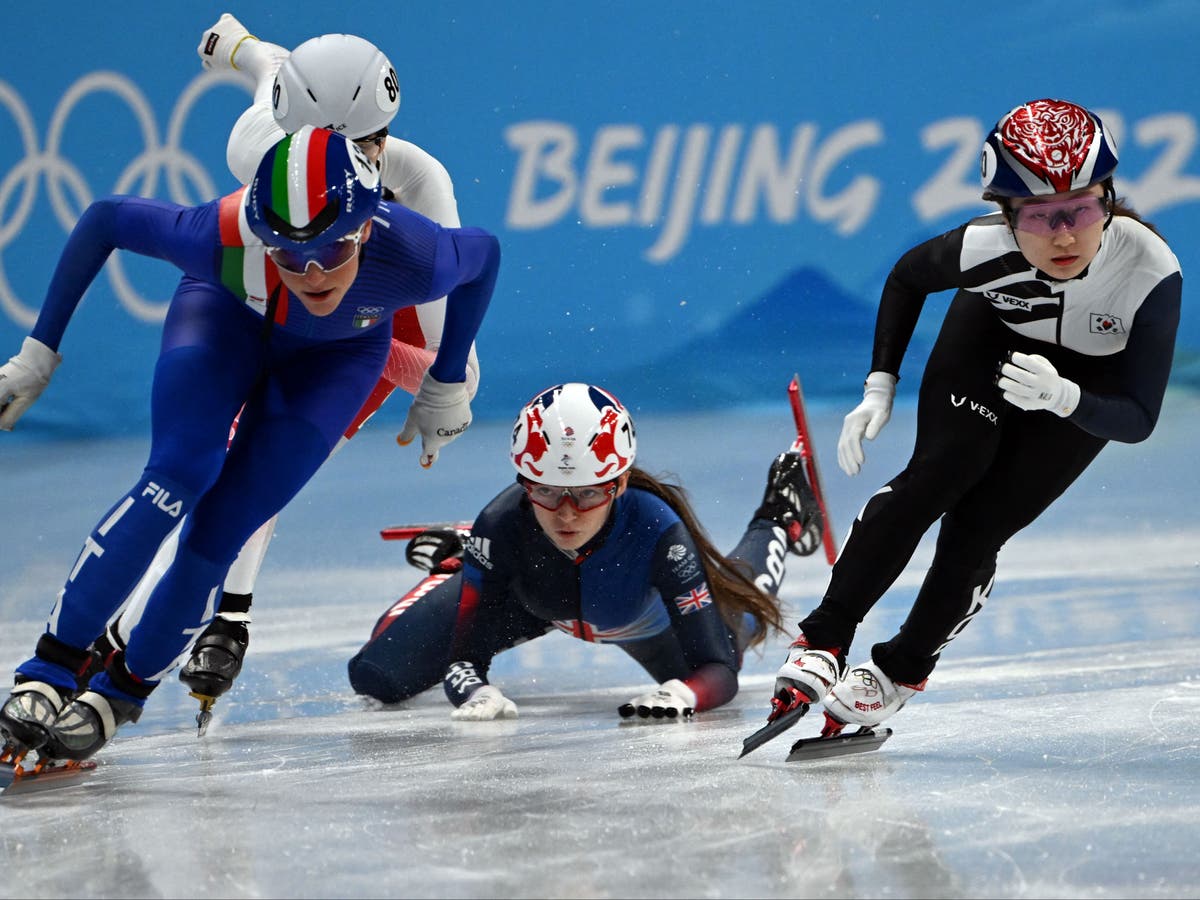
{"points": [[44, 685], [866, 696], [87, 724], [790, 503], [89, 721], [216, 658], [806, 677], [436, 550], [28, 713]]}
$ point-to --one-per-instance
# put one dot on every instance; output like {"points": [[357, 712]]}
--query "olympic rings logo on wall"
{"points": [[68, 190]]}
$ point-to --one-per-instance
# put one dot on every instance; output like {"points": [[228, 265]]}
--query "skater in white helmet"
{"points": [[590, 544], [347, 84]]}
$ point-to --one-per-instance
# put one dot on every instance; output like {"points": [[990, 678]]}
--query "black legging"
{"points": [[985, 467]]}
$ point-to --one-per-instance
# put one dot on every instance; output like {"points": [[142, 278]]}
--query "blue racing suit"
{"points": [[638, 583], [235, 340]]}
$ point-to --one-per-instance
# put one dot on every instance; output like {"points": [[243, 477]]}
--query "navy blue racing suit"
{"points": [[638, 584]]}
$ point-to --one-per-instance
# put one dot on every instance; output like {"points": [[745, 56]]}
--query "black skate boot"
{"points": [[216, 658], [33, 705], [28, 713], [790, 503], [91, 719], [436, 550], [87, 724]]}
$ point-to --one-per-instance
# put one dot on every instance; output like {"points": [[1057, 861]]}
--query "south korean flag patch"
{"points": [[1102, 323]]}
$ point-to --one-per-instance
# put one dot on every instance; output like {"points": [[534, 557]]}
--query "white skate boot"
{"points": [[807, 675], [866, 696]]}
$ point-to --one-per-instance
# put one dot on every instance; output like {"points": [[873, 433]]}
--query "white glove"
{"points": [[672, 700], [1030, 382], [221, 41], [866, 420], [440, 412], [23, 378], [486, 703]]}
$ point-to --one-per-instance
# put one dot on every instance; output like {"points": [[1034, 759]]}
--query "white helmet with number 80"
{"points": [[336, 81]]}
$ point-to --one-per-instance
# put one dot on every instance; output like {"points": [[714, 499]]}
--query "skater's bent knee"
{"points": [[369, 679]]}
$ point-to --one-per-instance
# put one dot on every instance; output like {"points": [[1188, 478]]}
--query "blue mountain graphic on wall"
{"points": [[805, 324]]}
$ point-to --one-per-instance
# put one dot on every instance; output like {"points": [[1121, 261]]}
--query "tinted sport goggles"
{"points": [[1047, 218], [374, 139], [327, 257], [551, 496]]}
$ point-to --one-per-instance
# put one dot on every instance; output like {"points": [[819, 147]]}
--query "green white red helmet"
{"points": [[1046, 147], [311, 189], [573, 435], [336, 81]]}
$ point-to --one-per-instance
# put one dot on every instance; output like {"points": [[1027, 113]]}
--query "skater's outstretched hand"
{"points": [[672, 700], [485, 703], [23, 378], [866, 420], [440, 412]]}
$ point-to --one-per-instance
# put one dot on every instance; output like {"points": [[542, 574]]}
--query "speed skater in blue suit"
{"points": [[282, 315]]}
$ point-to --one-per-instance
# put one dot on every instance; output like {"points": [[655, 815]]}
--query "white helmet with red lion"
{"points": [[573, 435]]}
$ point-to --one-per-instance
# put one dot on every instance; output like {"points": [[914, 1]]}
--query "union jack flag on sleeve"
{"points": [[694, 600]]}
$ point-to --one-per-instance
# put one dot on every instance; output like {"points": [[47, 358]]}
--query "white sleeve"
{"points": [[421, 183], [254, 133]]}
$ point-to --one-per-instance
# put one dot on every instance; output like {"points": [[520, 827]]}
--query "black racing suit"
{"points": [[984, 466]]}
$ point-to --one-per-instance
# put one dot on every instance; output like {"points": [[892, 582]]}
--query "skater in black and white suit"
{"points": [[1059, 338]]}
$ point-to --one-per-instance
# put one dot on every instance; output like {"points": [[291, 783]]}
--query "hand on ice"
{"points": [[672, 700], [486, 703]]}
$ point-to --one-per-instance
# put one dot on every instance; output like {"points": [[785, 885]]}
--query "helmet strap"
{"points": [[1110, 200], [1010, 217]]}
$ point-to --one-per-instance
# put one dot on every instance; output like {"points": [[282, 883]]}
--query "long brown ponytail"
{"points": [[733, 589]]}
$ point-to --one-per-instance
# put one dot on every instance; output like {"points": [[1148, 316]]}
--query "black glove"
{"points": [[435, 550]]}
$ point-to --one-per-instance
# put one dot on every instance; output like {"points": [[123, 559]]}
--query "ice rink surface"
{"points": [[1056, 752]]}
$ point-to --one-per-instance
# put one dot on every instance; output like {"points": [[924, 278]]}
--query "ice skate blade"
{"points": [[19, 780], [205, 715], [859, 741], [773, 729]]}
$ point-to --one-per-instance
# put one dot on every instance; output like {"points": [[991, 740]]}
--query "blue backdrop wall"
{"points": [[694, 199]]}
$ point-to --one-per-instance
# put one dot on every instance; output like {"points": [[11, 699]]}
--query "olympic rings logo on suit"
{"points": [[68, 189]]}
